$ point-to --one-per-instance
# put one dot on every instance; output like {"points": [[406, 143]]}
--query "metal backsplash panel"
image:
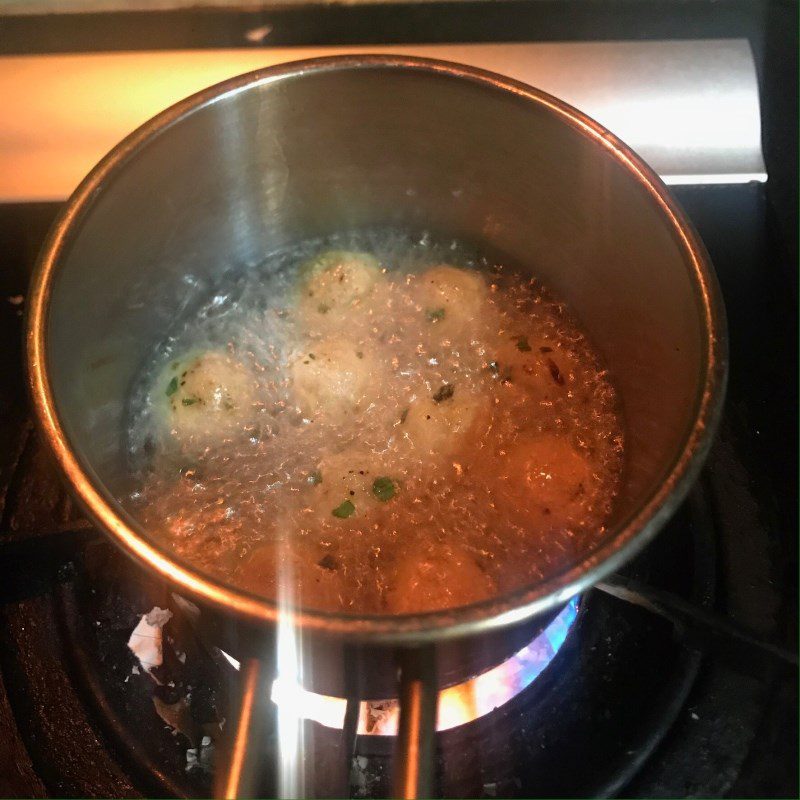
{"points": [[689, 108]]}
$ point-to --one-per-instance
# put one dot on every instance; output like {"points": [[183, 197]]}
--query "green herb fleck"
{"points": [[172, 386], [403, 415], [315, 477], [384, 489], [344, 510], [312, 356], [359, 354], [445, 392], [190, 401], [323, 308], [434, 314], [522, 344]]}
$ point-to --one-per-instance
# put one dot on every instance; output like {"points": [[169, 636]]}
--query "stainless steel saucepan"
{"points": [[315, 147]]}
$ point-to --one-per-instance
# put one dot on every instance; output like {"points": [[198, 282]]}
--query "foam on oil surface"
{"points": [[483, 449]]}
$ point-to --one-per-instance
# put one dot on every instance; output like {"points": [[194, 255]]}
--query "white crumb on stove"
{"points": [[358, 776], [135, 669], [490, 789], [158, 617], [182, 657], [204, 760], [259, 34], [145, 641], [16, 299], [362, 778], [694, 716]]}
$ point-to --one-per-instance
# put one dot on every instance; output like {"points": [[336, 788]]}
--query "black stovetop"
{"points": [[631, 706]]}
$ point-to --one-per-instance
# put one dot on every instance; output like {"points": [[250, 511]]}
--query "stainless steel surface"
{"points": [[238, 778], [415, 747], [689, 108], [312, 148]]}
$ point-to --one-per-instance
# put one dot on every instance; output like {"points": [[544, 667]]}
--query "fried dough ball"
{"points": [[547, 473], [434, 576], [538, 367]]}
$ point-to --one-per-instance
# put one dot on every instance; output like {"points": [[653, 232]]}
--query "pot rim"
{"points": [[629, 537]]}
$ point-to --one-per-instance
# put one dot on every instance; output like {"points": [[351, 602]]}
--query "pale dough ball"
{"points": [[439, 424], [436, 576], [548, 473], [205, 397], [335, 281], [296, 573], [452, 299], [335, 378], [342, 477], [366, 480]]}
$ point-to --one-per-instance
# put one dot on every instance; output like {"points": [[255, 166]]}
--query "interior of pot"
{"points": [[321, 151]]}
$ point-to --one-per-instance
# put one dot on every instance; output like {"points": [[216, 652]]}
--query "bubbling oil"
{"points": [[376, 423]]}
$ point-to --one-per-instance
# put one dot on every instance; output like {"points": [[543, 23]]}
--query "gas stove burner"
{"points": [[458, 704]]}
